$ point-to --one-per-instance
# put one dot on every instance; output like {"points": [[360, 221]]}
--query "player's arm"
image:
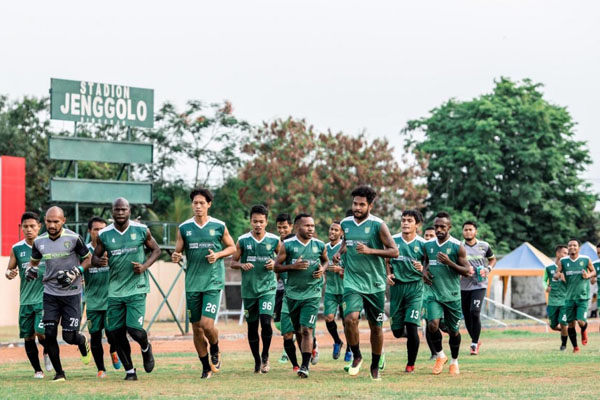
{"points": [[427, 276], [337, 257], [546, 281], [11, 270], [489, 255], [99, 258], [281, 267], [462, 267], [389, 272], [235, 263], [85, 256], [590, 272], [390, 250], [323, 266], [177, 255], [151, 244], [226, 252], [270, 265], [36, 256], [559, 268]]}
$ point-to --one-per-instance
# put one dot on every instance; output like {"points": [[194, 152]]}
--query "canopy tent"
{"points": [[588, 249], [525, 260]]}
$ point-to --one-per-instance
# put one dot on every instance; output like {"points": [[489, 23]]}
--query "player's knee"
{"points": [[433, 326], [207, 324], [397, 333], [96, 339], [288, 336], [265, 320], [329, 317], [139, 335], [69, 336], [306, 332], [351, 319], [51, 329]]}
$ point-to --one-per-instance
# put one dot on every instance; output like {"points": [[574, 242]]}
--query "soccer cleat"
{"points": [[215, 362], [131, 376], [347, 367], [38, 375], [59, 378], [257, 368], [375, 375], [115, 360], [474, 349], [284, 358], [575, 349], [438, 367], [88, 353], [101, 374], [382, 362], [337, 349], [410, 369], [433, 357], [348, 355], [206, 374], [454, 369], [314, 357], [47, 363], [296, 369], [563, 348], [584, 338], [353, 370], [265, 367], [148, 358], [303, 372]]}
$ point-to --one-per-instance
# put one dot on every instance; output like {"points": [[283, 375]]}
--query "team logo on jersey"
{"points": [[268, 246], [367, 229], [67, 245], [295, 249], [315, 249], [416, 248], [581, 263], [22, 254], [346, 230], [448, 251], [212, 232], [113, 240], [133, 236], [188, 233], [248, 246]]}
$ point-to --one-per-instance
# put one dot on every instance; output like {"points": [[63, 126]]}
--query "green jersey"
{"points": [[123, 248], [258, 281], [404, 270], [577, 287], [596, 265], [445, 285], [30, 292], [556, 297], [96, 286], [334, 283], [200, 275], [300, 283], [363, 273]]}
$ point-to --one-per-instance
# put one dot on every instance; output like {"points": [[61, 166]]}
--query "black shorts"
{"points": [[64, 309], [278, 303]]}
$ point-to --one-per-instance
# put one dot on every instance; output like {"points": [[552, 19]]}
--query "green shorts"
{"points": [[556, 315], [406, 303], [373, 303], [285, 321], [576, 310], [450, 311], [263, 305], [332, 302], [30, 320], [126, 311], [96, 320], [201, 304], [303, 312]]}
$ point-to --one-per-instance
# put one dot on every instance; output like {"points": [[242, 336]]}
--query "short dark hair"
{"points": [[284, 217], [470, 223], [429, 228], [365, 191], [560, 246], [443, 214], [30, 215], [96, 219], [574, 240], [202, 192], [300, 216], [413, 213], [259, 209], [349, 212], [335, 221]]}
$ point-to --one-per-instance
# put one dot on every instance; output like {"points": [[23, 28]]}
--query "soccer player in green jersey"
{"points": [[124, 242], [556, 297], [334, 287], [367, 243], [428, 234], [30, 293], [405, 277], [304, 258], [577, 270], [596, 265], [206, 242], [284, 228], [255, 257], [96, 298], [446, 263]]}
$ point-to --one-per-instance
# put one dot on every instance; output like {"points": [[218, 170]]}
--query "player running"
{"points": [[304, 258], [254, 256], [473, 288], [206, 242], [120, 246], [596, 265], [61, 249], [96, 299], [405, 277], [577, 270], [367, 242], [446, 263], [428, 234], [334, 287], [31, 291], [556, 297]]}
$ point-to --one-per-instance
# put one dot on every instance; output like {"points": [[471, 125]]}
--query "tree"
{"points": [[294, 169], [511, 159]]}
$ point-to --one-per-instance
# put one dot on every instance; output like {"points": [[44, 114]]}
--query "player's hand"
{"points": [[318, 273], [269, 265], [176, 257], [428, 278], [211, 257], [336, 258], [138, 268], [548, 289], [31, 273], [300, 264], [418, 266], [362, 248], [483, 272], [334, 268], [247, 266], [390, 280], [11, 273], [562, 277], [443, 258], [103, 260], [471, 270], [585, 274]]}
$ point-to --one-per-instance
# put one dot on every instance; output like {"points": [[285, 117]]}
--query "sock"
{"points": [[436, 341], [52, 347], [266, 334], [473, 344], [332, 329], [314, 342], [97, 350], [454, 361], [573, 336], [42, 342], [130, 371], [430, 343], [290, 350], [254, 348], [563, 340], [583, 328], [214, 348], [123, 348], [205, 364], [32, 353], [306, 359], [356, 351], [375, 360], [412, 343], [441, 354], [454, 345]]}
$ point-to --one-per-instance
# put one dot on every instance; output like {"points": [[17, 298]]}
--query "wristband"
{"points": [[80, 268], [7, 273]]}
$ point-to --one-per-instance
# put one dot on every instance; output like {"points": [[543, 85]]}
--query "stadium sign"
{"points": [[101, 103]]}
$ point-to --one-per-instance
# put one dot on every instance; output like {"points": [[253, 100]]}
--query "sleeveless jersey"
{"points": [[258, 281]]}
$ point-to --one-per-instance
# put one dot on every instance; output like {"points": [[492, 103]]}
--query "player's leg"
{"points": [[374, 310], [581, 315], [116, 313], [412, 306], [287, 330], [434, 314], [70, 319], [38, 310], [95, 326], [266, 305], [210, 307], [305, 317], [134, 320], [452, 315], [27, 333], [277, 319], [564, 334], [50, 320], [477, 297], [352, 306], [252, 320], [112, 345], [466, 302], [571, 312], [348, 352], [330, 306]]}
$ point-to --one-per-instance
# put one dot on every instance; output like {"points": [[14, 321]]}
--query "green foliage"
{"points": [[228, 206], [509, 158]]}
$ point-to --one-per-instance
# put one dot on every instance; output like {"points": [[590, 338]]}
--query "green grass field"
{"points": [[513, 364]]}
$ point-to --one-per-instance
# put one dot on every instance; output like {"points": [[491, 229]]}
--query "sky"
{"points": [[351, 66]]}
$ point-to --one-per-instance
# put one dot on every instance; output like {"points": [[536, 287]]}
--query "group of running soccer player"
{"points": [[436, 278]]}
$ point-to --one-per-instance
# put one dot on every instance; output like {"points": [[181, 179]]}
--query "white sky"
{"points": [[344, 65]]}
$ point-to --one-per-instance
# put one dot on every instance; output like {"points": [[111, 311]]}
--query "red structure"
{"points": [[12, 200]]}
